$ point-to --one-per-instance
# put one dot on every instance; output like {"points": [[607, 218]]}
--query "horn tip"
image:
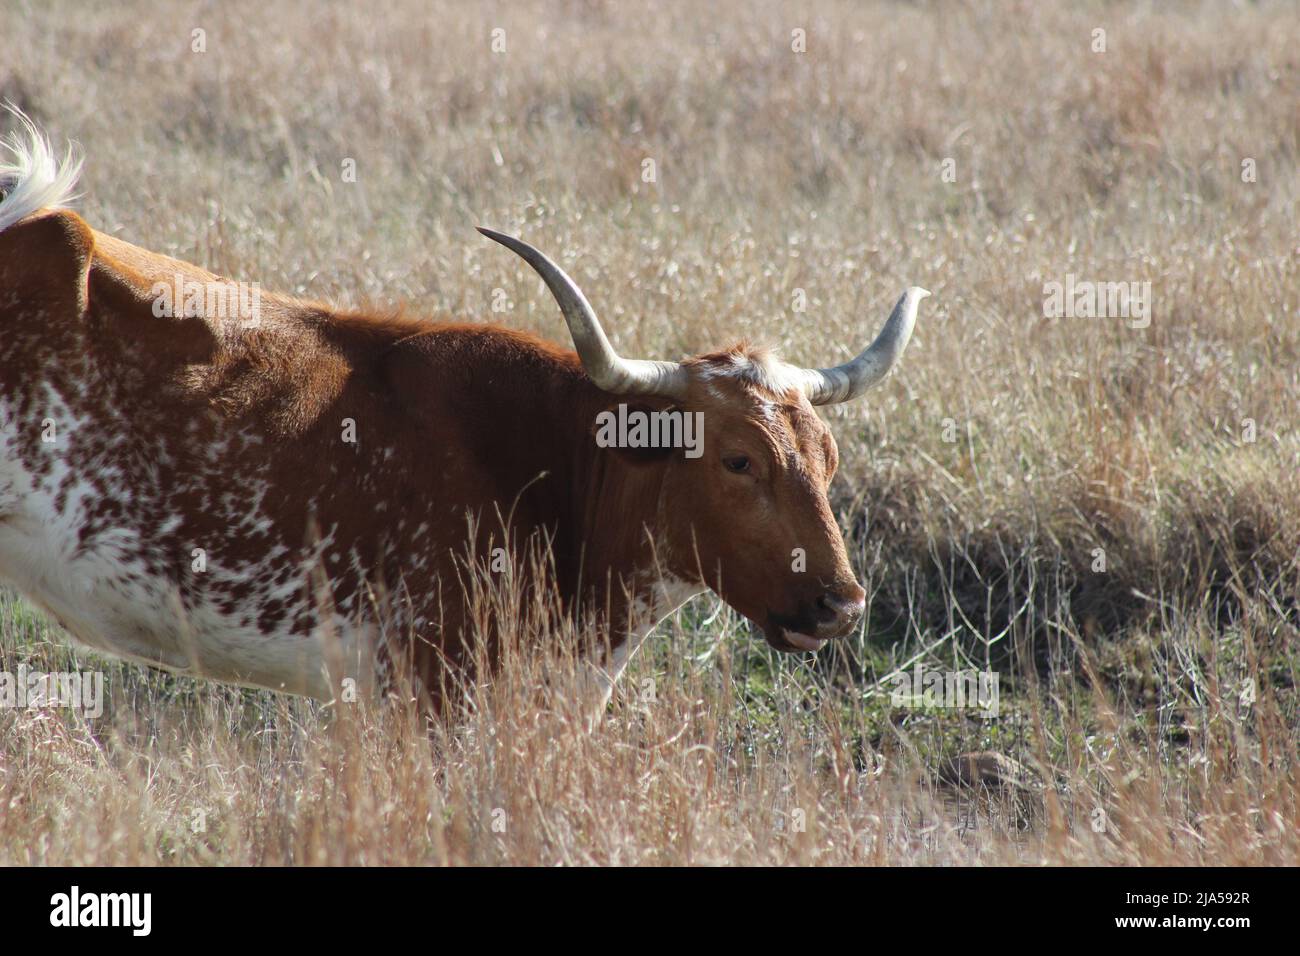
{"points": [[517, 246]]}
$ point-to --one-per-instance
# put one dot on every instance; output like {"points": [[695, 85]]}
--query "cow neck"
{"points": [[616, 501]]}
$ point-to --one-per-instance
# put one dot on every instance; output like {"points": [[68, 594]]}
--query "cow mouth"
{"points": [[788, 640]]}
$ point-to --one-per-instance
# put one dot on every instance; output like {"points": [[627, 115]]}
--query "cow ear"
{"points": [[605, 434]]}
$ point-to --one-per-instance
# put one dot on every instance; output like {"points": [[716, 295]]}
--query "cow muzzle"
{"points": [[817, 622]]}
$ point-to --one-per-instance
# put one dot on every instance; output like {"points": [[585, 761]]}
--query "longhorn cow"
{"points": [[177, 485]]}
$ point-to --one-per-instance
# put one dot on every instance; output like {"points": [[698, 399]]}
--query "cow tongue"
{"points": [[803, 641]]}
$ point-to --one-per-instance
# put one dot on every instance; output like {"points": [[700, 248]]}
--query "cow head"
{"points": [[747, 507]]}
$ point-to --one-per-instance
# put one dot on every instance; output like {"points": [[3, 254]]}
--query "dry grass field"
{"points": [[1103, 511]]}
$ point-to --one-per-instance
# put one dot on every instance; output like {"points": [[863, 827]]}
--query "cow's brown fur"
{"points": [[183, 422]]}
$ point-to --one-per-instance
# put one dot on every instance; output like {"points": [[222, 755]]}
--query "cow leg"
{"points": [[666, 596]]}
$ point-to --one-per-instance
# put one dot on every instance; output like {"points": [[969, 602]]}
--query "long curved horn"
{"points": [[828, 386], [607, 369]]}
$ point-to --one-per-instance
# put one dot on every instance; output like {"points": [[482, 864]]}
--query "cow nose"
{"points": [[840, 613]]}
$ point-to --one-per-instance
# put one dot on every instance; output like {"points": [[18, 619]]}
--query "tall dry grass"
{"points": [[1150, 708]]}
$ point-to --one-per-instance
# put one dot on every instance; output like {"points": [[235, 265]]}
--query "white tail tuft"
{"points": [[31, 178]]}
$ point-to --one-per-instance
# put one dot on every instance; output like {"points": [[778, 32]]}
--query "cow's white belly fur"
{"points": [[107, 600]]}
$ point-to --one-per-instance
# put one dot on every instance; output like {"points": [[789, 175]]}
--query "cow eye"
{"points": [[737, 463]]}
